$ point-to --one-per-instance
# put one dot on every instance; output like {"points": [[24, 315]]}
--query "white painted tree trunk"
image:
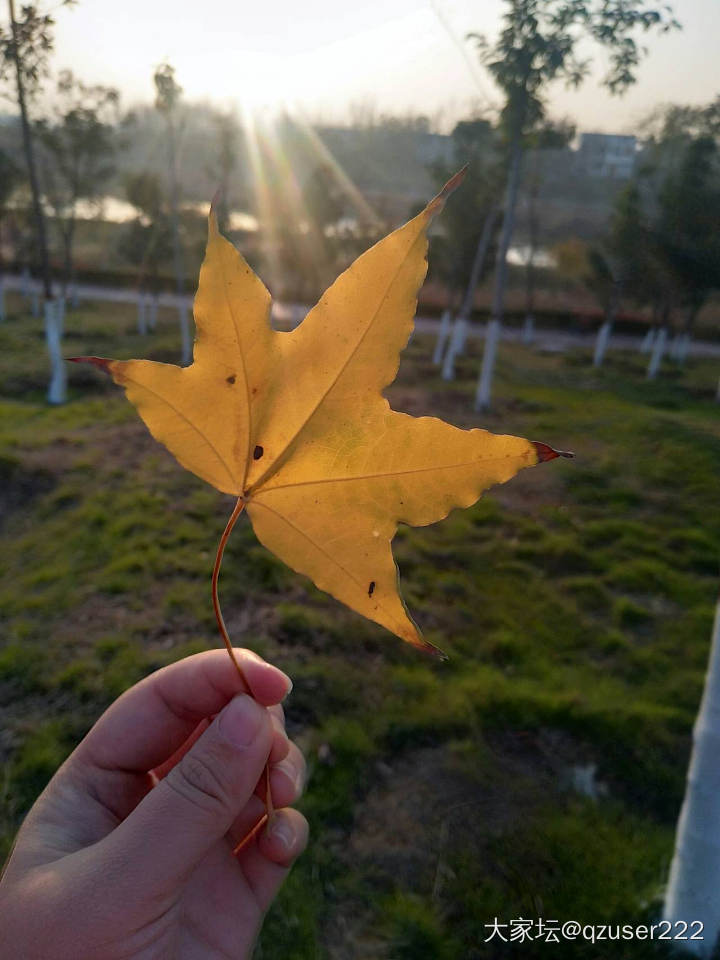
{"points": [[601, 343], [57, 389], [492, 334], [455, 346], [528, 334], [462, 321], [445, 323], [648, 341], [60, 314], [657, 353], [484, 387], [692, 892]]}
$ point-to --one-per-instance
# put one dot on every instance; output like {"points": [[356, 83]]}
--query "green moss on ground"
{"points": [[575, 603]]}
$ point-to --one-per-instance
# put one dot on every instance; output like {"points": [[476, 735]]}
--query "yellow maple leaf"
{"points": [[294, 424]]}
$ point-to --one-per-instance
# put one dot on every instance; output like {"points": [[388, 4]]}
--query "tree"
{"points": [[624, 265], [469, 223], [687, 230], [678, 185], [148, 240], [79, 142], [550, 137], [10, 177], [227, 136], [167, 100], [24, 50], [538, 45]]}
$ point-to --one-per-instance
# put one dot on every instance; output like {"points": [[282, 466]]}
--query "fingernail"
{"points": [[241, 720], [279, 829], [289, 683]]}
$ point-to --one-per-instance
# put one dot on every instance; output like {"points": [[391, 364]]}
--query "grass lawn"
{"points": [[537, 773]]}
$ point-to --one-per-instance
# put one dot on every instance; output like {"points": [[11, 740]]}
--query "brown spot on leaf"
{"points": [[258, 452], [371, 588], [230, 379]]}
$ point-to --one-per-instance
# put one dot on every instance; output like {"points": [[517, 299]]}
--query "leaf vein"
{"points": [[390, 473], [189, 422]]}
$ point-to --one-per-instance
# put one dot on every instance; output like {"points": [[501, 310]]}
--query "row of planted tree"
{"points": [[659, 257], [661, 253]]}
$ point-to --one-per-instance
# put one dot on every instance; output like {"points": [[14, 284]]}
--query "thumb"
{"points": [[177, 822]]}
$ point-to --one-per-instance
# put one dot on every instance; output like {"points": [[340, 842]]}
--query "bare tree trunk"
{"points": [[178, 264], [141, 308], [30, 159], [605, 331], [68, 235], [534, 230], [684, 342], [460, 328], [492, 336], [692, 892]]}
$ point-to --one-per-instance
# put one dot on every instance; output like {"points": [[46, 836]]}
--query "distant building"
{"points": [[390, 165], [607, 155]]}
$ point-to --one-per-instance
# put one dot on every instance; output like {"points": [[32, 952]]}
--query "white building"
{"points": [[608, 155]]}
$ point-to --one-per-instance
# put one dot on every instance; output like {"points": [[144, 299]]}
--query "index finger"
{"points": [[151, 720]]}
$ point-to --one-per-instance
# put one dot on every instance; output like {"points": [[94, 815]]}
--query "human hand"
{"points": [[112, 862]]}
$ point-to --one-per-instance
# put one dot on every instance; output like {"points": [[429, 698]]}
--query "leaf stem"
{"points": [[238, 509]]}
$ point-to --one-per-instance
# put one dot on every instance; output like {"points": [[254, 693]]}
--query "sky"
{"points": [[393, 56]]}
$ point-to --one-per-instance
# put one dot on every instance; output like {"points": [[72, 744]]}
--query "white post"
{"points": [[484, 388], [57, 390], [601, 343], [657, 353], [142, 326], [528, 334], [186, 355], [441, 338], [454, 347], [648, 340], [692, 892]]}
